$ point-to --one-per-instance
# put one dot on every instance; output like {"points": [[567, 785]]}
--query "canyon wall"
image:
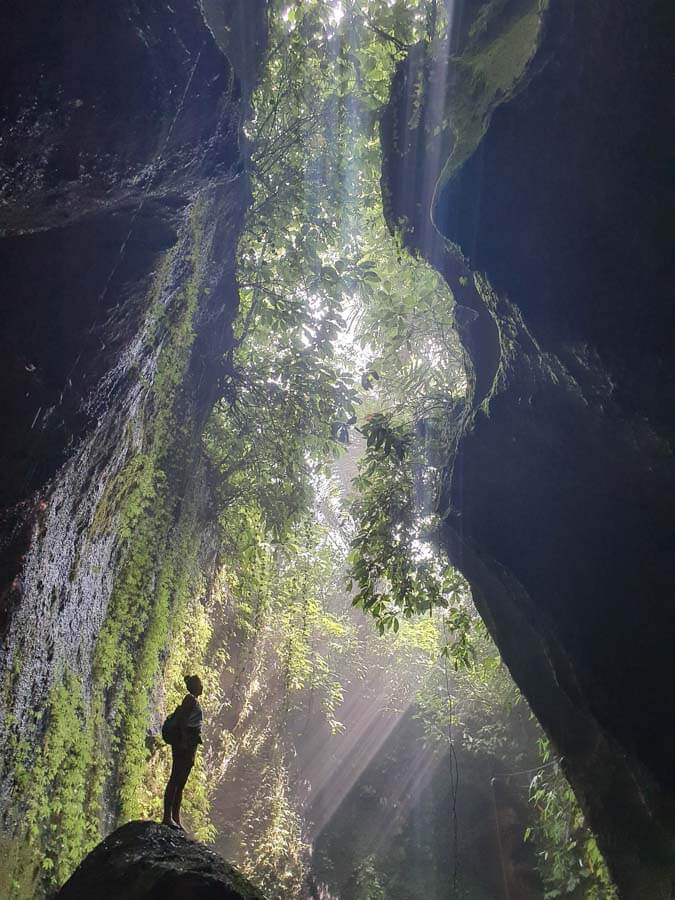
{"points": [[549, 208], [122, 197]]}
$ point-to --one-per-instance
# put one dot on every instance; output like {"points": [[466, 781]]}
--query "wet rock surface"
{"points": [[112, 119], [122, 197], [148, 861], [562, 489], [104, 104]]}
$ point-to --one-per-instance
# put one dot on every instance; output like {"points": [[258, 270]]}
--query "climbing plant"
{"points": [[570, 861]]}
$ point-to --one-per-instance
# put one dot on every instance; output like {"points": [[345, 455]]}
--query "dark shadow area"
{"points": [[562, 490]]}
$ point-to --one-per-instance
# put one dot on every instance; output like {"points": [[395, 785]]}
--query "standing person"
{"points": [[186, 735]]}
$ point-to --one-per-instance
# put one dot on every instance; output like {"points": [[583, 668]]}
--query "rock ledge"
{"points": [[148, 861]]}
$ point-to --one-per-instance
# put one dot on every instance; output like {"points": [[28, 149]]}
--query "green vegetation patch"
{"points": [[499, 45], [94, 745], [59, 798]]}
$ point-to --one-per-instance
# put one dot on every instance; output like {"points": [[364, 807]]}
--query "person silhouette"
{"points": [[187, 737]]}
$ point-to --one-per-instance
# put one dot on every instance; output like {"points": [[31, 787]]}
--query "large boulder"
{"points": [[148, 861]]}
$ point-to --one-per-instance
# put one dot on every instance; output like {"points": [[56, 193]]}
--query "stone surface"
{"points": [[122, 197], [113, 118], [562, 490], [148, 861]]}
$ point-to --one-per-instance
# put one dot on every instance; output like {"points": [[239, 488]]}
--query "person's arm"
{"points": [[184, 712], [194, 723]]}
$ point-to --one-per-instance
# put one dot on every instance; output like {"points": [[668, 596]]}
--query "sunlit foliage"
{"points": [[570, 860], [341, 337], [342, 340]]}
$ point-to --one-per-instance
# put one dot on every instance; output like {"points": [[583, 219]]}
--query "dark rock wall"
{"points": [[122, 196], [112, 118], [562, 490], [575, 195], [104, 104]]}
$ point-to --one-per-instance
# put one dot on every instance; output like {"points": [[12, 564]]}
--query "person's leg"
{"points": [[170, 792], [183, 771], [175, 806]]}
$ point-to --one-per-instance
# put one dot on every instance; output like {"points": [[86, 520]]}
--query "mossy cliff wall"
{"points": [[559, 499], [123, 189]]}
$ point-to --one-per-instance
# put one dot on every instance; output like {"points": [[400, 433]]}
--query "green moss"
{"points": [[503, 39], [60, 805], [8, 681], [178, 577], [158, 573], [131, 494], [96, 746], [190, 633]]}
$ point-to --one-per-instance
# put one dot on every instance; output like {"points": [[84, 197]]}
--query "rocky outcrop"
{"points": [[561, 494], [123, 192], [120, 159], [147, 861], [113, 118]]}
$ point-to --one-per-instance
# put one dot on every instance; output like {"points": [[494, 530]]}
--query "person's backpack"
{"points": [[170, 728]]}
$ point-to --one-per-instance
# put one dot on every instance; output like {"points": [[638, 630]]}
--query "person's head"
{"points": [[194, 685]]}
